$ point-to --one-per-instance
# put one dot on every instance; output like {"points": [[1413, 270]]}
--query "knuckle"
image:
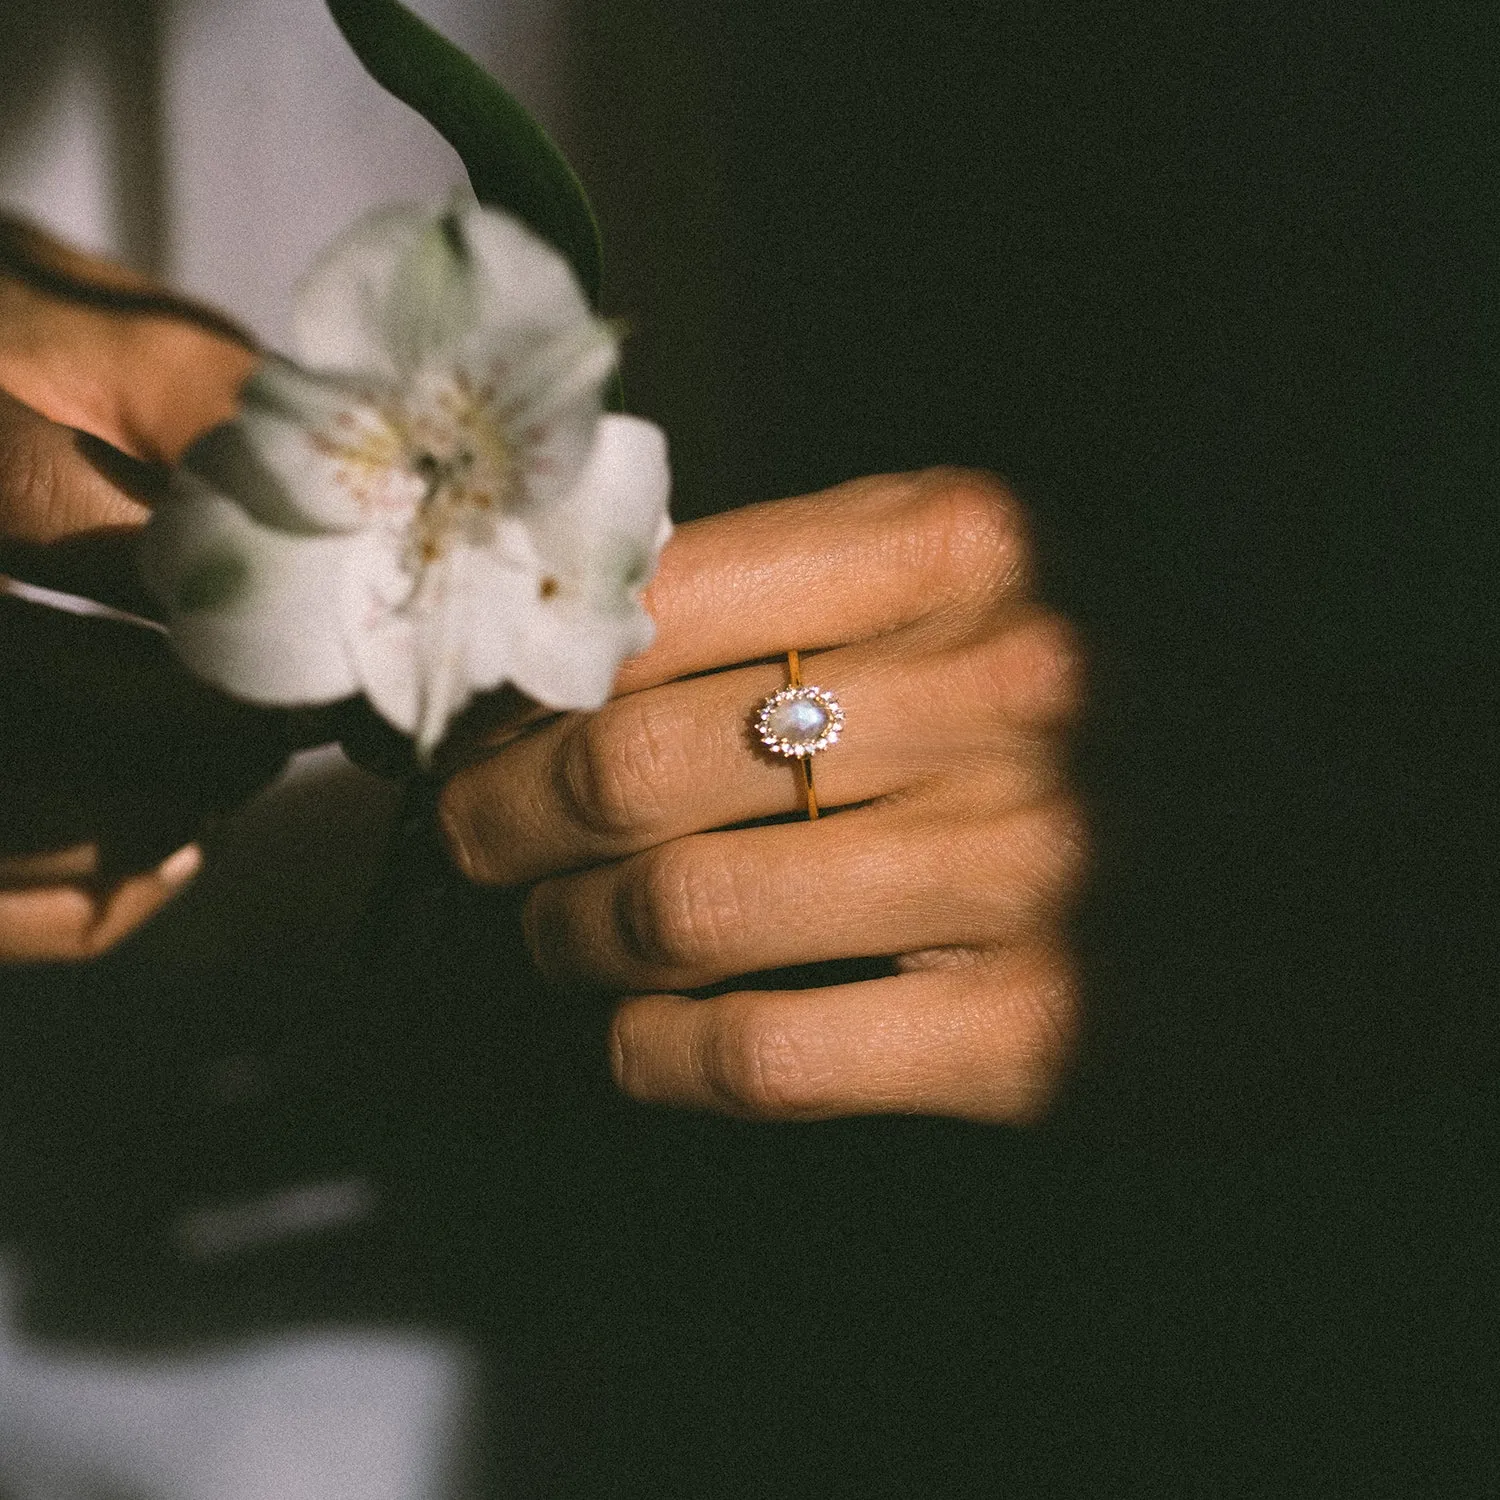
{"points": [[611, 773], [975, 530], [1066, 830], [542, 925], [1026, 870], [1058, 850], [30, 490], [459, 828], [753, 1065], [676, 909], [1035, 671], [1044, 1000]]}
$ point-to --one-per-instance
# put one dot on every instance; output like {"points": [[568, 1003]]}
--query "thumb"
{"points": [[70, 509], [95, 346], [56, 482]]}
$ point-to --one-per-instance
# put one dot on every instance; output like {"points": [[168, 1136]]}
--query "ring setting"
{"points": [[799, 721]]}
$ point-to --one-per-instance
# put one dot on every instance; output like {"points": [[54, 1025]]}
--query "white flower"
{"points": [[431, 503]]}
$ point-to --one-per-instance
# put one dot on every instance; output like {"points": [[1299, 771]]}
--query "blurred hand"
{"points": [[953, 841], [111, 756]]}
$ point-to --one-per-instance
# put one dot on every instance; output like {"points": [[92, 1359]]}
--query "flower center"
{"points": [[455, 447], [436, 459]]}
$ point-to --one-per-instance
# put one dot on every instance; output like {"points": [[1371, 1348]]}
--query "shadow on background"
{"points": [[1215, 291]]}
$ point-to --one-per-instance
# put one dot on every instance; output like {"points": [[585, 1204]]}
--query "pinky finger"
{"points": [[69, 923], [984, 1040]]}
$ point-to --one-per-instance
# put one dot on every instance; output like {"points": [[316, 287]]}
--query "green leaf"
{"points": [[511, 161]]}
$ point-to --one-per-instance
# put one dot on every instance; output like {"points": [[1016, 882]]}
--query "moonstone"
{"points": [[798, 721]]}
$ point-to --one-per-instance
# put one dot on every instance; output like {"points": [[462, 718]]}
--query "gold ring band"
{"points": [[804, 762], [798, 722]]}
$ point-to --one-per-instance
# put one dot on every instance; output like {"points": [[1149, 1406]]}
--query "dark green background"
{"points": [[1215, 287]]}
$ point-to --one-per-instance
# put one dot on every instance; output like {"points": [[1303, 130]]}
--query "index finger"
{"points": [[95, 346], [56, 484], [71, 507], [855, 561]]}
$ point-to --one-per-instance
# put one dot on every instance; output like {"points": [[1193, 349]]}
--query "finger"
{"points": [[69, 923], [49, 488], [656, 765], [822, 570], [76, 862], [984, 1041], [71, 507], [95, 346], [869, 882]]}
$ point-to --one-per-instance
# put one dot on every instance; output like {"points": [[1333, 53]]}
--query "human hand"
{"points": [[110, 754], [953, 841]]}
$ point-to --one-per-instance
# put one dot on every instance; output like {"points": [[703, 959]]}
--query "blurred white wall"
{"points": [[59, 142], [268, 135], [276, 138]]}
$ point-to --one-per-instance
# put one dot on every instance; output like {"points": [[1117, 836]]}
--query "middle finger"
{"points": [[874, 881]]}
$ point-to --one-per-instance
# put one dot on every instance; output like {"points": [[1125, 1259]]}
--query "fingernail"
{"points": [[179, 868]]}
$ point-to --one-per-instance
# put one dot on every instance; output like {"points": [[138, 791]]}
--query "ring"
{"points": [[798, 722]]}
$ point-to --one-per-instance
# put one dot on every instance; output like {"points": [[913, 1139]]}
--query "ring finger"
{"points": [[672, 760]]}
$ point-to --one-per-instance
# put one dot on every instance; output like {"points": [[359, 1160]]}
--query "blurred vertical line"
{"points": [[131, 42]]}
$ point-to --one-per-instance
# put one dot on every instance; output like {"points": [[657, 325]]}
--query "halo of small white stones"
{"points": [[779, 744]]}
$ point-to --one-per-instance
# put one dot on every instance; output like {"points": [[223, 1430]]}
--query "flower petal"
{"points": [[525, 286], [548, 407], [250, 608], [607, 532], [306, 454], [424, 646], [381, 632], [600, 548], [339, 319], [408, 286], [537, 349], [571, 653]]}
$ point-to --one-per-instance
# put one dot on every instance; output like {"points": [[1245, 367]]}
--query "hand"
{"points": [[110, 755], [952, 840]]}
